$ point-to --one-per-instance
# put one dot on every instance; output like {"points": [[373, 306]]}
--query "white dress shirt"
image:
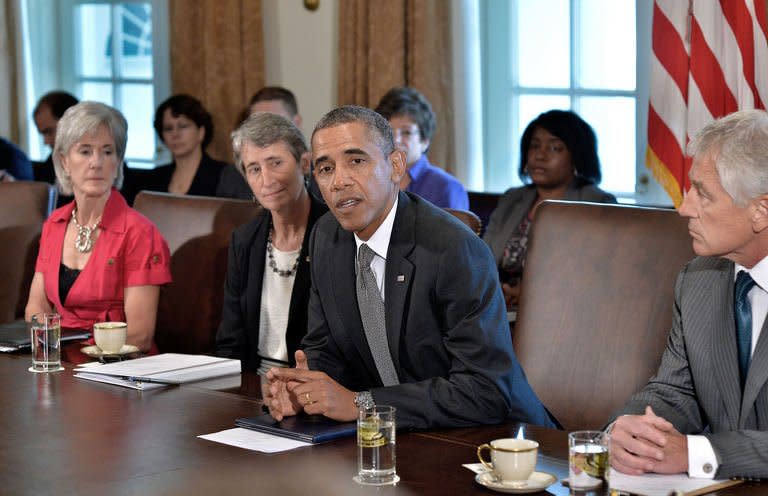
{"points": [[379, 243], [702, 461]]}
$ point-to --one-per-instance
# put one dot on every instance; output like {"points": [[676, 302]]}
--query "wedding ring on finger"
{"points": [[309, 401]]}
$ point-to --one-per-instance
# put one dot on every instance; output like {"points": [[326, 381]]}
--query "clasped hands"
{"points": [[287, 392], [647, 443]]}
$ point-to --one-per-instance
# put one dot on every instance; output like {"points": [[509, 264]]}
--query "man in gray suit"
{"points": [[706, 410], [421, 323]]}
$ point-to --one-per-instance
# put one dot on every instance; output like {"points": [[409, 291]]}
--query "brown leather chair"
{"points": [[596, 304], [24, 206], [469, 218], [198, 231]]}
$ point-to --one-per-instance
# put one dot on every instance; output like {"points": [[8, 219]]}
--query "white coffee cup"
{"points": [[110, 336], [512, 460]]}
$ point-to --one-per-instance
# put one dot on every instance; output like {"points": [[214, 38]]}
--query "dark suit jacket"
{"points": [[515, 204], [238, 335], [697, 387], [445, 317], [232, 184]]}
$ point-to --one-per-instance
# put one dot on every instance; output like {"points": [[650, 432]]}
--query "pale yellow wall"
{"points": [[301, 54]]}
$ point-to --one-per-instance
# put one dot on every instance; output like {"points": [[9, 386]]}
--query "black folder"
{"points": [[302, 427], [14, 336]]}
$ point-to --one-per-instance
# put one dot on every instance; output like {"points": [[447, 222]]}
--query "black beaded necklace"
{"points": [[272, 265]]}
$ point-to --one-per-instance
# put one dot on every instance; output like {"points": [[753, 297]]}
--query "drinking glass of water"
{"points": [[588, 459], [45, 333], [376, 446]]}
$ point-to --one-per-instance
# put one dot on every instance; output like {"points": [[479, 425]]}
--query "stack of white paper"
{"points": [[160, 370]]}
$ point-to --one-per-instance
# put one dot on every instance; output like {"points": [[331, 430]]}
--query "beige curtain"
{"points": [[10, 72], [399, 43], [217, 56]]}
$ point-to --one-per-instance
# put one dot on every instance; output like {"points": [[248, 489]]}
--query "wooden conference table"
{"points": [[62, 435]]}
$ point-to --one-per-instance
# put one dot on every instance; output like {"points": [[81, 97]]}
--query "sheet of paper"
{"points": [[172, 366], [658, 484], [108, 379], [477, 468], [254, 440]]}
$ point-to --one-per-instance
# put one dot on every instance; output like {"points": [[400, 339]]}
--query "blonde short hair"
{"points": [[85, 118]]}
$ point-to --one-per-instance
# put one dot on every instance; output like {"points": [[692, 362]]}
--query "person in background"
{"points": [[443, 354], [267, 287], [99, 260], [14, 164], [705, 411], [272, 99], [558, 160], [186, 129], [413, 124], [46, 115]]}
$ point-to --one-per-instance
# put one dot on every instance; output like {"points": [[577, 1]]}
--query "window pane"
{"points": [[97, 92], [543, 43], [138, 107], [136, 34], [607, 44], [92, 40], [613, 119]]}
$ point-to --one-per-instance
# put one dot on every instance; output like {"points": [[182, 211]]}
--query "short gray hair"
{"points": [[85, 118], [264, 129], [378, 127], [738, 144]]}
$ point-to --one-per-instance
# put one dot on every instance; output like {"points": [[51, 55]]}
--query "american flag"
{"points": [[710, 58]]}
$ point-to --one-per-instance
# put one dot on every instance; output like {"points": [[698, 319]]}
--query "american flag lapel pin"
{"points": [[400, 278]]}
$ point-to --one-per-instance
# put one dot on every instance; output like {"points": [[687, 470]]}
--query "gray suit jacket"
{"points": [[515, 204], [697, 387], [445, 318]]}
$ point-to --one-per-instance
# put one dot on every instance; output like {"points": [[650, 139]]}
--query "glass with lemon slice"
{"points": [[376, 446]]}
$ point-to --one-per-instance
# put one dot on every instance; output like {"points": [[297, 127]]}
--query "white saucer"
{"points": [[538, 481], [96, 352]]}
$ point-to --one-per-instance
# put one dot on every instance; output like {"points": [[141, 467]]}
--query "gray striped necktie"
{"points": [[372, 314]]}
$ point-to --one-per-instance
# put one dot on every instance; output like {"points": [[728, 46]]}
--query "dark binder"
{"points": [[14, 336], [307, 428]]}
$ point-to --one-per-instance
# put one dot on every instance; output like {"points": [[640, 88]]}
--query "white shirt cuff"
{"points": [[702, 462]]}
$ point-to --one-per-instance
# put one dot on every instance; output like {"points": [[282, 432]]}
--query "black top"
{"points": [[203, 184], [67, 278]]}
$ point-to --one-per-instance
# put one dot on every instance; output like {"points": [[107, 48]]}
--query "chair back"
{"points": [[596, 304], [24, 206], [197, 230], [469, 218]]}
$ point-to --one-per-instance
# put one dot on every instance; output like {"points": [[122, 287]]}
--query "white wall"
{"points": [[301, 54]]}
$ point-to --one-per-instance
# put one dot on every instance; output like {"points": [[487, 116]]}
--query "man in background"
{"points": [[706, 410], [413, 124], [14, 164], [273, 99], [46, 114]]}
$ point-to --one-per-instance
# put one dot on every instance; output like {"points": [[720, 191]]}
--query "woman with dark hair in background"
{"points": [[186, 129], [558, 160]]}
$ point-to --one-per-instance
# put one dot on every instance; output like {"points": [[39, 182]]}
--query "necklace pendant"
{"points": [[84, 242]]}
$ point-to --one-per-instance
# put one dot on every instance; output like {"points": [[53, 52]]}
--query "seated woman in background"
{"points": [[186, 129], [267, 288], [558, 155], [99, 260]]}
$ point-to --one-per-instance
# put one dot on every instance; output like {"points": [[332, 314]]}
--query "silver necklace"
{"points": [[84, 239], [273, 265]]}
